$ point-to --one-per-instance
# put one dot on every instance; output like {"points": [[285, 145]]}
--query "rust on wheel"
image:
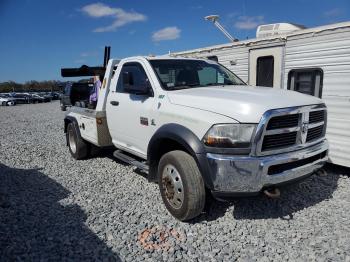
{"points": [[173, 186]]}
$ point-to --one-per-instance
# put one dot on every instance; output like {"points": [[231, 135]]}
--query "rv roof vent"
{"points": [[276, 29]]}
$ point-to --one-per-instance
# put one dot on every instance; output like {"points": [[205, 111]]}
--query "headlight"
{"points": [[229, 135]]}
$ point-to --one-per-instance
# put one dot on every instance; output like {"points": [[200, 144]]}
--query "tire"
{"points": [[78, 148], [4, 103], [63, 108], [181, 185]]}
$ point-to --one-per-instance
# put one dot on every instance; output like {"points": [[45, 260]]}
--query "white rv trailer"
{"points": [[315, 61]]}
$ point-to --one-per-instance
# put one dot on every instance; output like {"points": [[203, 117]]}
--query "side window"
{"points": [[167, 75], [306, 81], [264, 71], [140, 79], [207, 75]]}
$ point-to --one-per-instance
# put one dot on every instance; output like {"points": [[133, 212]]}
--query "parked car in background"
{"points": [[5, 100], [75, 92], [37, 99], [21, 98], [55, 95], [47, 96]]}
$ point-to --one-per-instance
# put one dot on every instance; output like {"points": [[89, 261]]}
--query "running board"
{"points": [[130, 160]]}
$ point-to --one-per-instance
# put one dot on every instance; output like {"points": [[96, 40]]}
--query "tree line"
{"points": [[31, 86], [37, 86]]}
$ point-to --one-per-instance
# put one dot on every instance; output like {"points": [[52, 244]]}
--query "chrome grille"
{"points": [[316, 116], [279, 141], [288, 129], [314, 133], [283, 121]]}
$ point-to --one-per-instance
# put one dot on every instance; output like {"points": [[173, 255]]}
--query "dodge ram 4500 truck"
{"points": [[196, 128]]}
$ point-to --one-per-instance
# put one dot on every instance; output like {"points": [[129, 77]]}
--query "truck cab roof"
{"points": [[160, 57]]}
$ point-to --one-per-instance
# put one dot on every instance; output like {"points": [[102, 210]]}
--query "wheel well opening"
{"points": [[163, 146], [66, 123]]}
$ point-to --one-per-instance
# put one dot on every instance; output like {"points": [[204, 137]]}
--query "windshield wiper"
{"points": [[184, 86], [220, 84], [213, 84]]}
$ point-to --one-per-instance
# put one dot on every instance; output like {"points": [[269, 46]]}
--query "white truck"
{"points": [[198, 129]]}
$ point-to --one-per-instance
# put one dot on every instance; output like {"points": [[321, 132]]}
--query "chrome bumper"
{"points": [[235, 175]]}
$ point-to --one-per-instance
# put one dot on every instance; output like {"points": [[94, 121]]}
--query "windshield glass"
{"points": [[177, 74]]}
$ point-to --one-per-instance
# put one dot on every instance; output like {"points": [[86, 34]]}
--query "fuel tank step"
{"points": [[124, 157]]}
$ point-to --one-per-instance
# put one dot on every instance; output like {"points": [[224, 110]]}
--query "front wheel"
{"points": [[181, 185], [78, 148]]}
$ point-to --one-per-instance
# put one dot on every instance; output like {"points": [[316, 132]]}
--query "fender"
{"points": [[187, 139]]}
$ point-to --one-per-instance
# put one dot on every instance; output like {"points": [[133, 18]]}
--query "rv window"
{"points": [[264, 71], [213, 58], [306, 81]]}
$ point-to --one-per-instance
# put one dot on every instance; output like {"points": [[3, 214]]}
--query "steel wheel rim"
{"points": [[173, 186], [72, 142]]}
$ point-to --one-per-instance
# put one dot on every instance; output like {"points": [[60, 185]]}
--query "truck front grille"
{"points": [[279, 141], [283, 121], [280, 168], [316, 116], [286, 130], [314, 133]]}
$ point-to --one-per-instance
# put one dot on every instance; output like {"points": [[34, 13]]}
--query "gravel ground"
{"points": [[55, 208]]}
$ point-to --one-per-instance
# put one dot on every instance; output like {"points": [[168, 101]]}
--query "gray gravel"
{"points": [[55, 208]]}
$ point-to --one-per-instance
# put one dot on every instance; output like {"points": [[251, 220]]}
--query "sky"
{"points": [[39, 37]]}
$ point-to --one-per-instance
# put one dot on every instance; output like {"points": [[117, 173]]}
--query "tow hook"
{"points": [[272, 193]]}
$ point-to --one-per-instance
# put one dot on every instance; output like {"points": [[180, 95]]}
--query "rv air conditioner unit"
{"points": [[276, 29]]}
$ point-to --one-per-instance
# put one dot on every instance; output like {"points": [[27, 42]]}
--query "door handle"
{"points": [[114, 103]]}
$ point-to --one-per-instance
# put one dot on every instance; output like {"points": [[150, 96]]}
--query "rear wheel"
{"points": [[78, 148], [181, 185], [4, 103]]}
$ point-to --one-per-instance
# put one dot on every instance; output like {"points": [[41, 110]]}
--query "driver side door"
{"points": [[130, 113]]}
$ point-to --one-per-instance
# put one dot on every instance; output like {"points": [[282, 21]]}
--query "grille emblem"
{"points": [[304, 127]]}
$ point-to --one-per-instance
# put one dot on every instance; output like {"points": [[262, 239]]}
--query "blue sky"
{"points": [[39, 37]]}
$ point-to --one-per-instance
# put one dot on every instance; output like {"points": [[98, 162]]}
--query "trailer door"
{"points": [[265, 66]]}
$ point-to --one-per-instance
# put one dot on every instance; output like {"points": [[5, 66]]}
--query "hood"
{"points": [[245, 104]]}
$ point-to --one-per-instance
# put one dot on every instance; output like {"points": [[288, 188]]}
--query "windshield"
{"points": [[177, 74]]}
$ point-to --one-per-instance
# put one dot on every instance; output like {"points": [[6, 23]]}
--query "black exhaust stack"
{"points": [[107, 55], [85, 70]]}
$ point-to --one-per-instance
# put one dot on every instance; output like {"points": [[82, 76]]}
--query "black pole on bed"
{"points": [[85, 70]]}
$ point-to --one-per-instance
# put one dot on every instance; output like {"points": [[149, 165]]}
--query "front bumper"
{"points": [[240, 175]]}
